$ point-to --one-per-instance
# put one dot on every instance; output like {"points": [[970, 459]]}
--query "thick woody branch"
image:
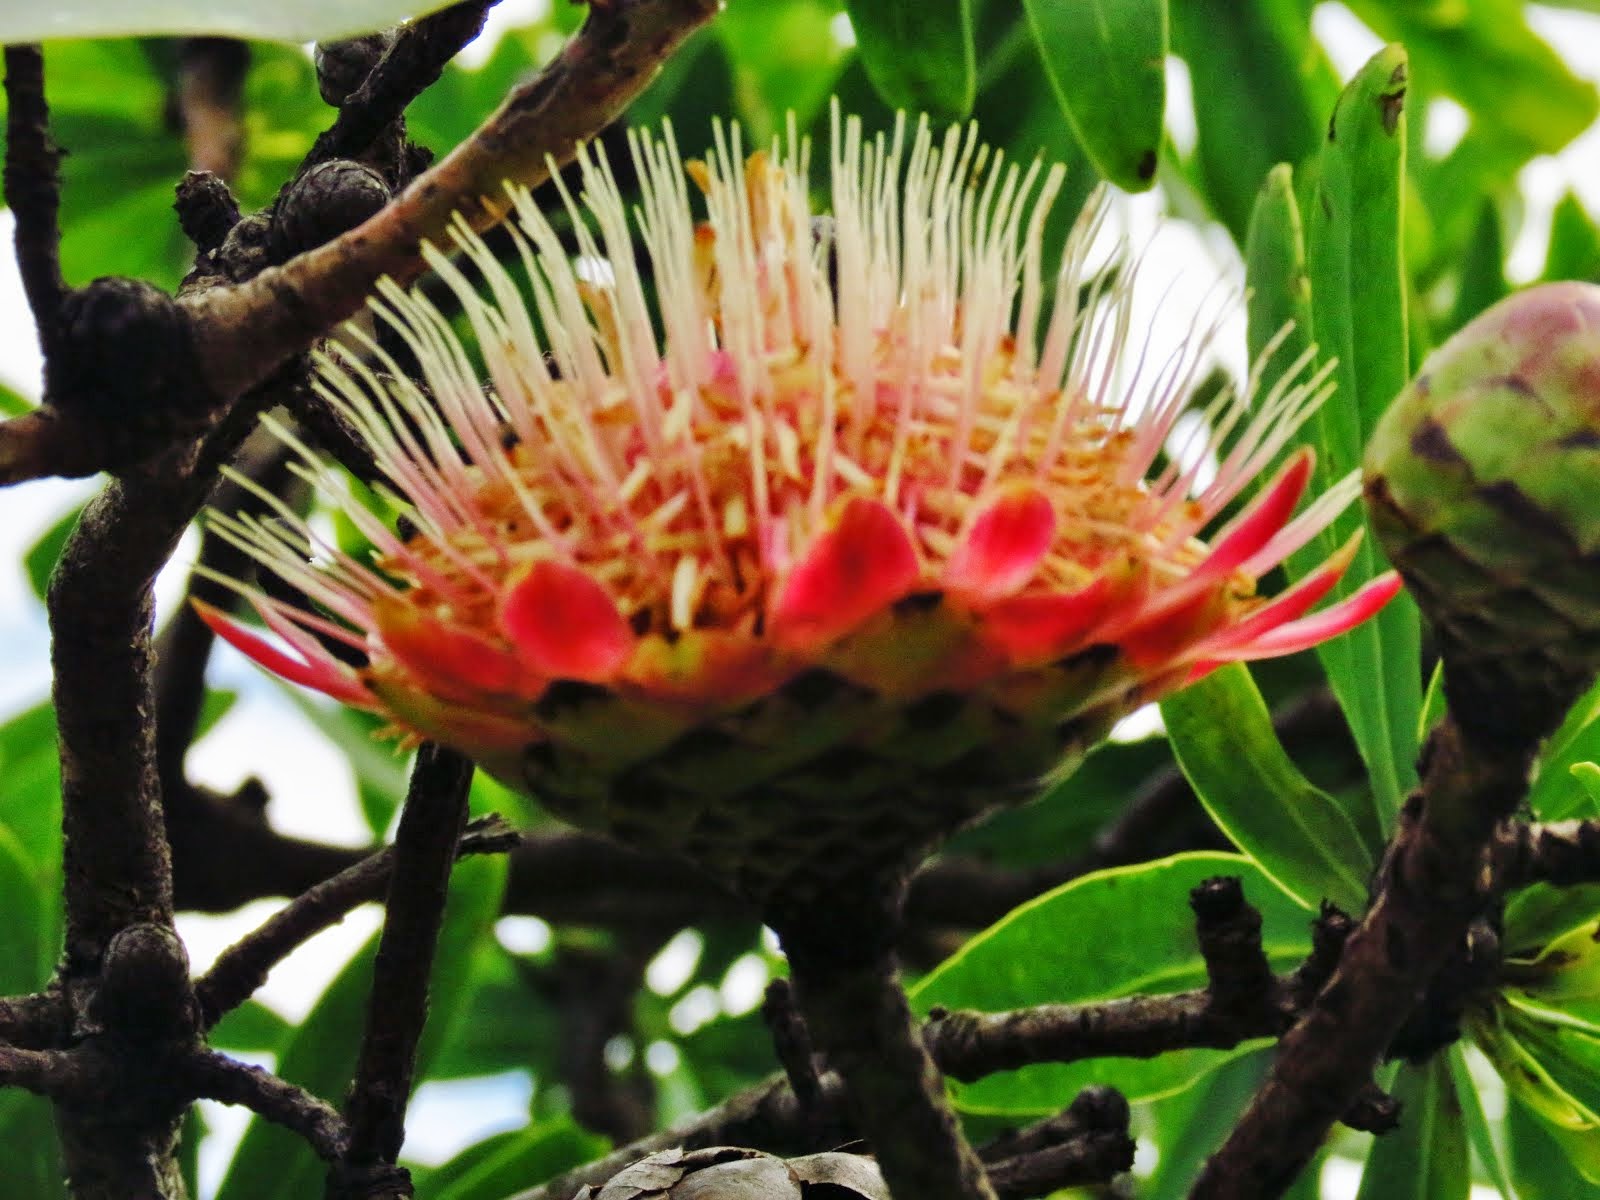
{"points": [[51, 1073], [33, 187], [1432, 886], [244, 966], [431, 823], [36, 1022]]}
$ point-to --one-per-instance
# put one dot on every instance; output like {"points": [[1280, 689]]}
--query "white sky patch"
{"points": [[674, 964], [1345, 36], [503, 17], [699, 1006], [1446, 124], [446, 1116], [1138, 725], [662, 1058], [1182, 127], [522, 935], [844, 33], [744, 985], [296, 983]]}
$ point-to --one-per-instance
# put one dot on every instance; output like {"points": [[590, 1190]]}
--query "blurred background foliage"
{"points": [[1406, 183]]}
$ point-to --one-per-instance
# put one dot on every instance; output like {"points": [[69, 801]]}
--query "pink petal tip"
{"points": [[564, 625], [1003, 548], [860, 566]]}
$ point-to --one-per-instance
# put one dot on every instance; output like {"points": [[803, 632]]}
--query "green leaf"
{"points": [[11, 404], [1484, 53], [1358, 312], [279, 20], [1483, 277], [1477, 1123], [1295, 832], [320, 1054], [1047, 951], [509, 1162], [251, 1027], [29, 943], [1427, 1158], [1556, 794], [919, 54], [784, 58], [1574, 251], [1553, 1072], [1263, 87], [1191, 1125], [1106, 59]]}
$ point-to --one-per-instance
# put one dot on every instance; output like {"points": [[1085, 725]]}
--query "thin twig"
{"points": [[1561, 853], [243, 332], [33, 188], [431, 823], [243, 967], [207, 94], [213, 1076], [413, 62]]}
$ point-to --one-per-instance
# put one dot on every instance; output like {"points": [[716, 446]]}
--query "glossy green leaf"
{"points": [[784, 58], [1483, 53], [1189, 1126], [1554, 1073], [1428, 1157], [1536, 916], [1556, 795], [1106, 59], [1048, 951], [918, 53], [1540, 1169], [511, 1162], [28, 948], [320, 1054], [1574, 251], [1479, 1133], [1299, 836], [251, 1027], [1358, 310], [1482, 278], [11, 404], [1265, 87], [278, 20]]}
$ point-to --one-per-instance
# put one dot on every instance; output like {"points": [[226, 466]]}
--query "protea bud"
{"points": [[1483, 481], [841, 557]]}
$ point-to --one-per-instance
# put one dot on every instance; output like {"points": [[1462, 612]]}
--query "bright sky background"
{"points": [[312, 793]]}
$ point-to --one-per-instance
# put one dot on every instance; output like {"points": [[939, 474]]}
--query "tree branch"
{"points": [[431, 822], [243, 332], [1561, 853], [243, 967], [37, 1022], [1431, 889], [51, 1073], [412, 63], [213, 1076], [33, 188]]}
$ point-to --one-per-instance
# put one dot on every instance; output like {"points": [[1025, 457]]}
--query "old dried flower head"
{"points": [[789, 553]]}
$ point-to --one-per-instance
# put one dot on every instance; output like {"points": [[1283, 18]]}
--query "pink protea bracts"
{"points": [[840, 557]]}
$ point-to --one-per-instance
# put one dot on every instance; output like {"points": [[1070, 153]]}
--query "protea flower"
{"points": [[789, 545], [1480, 481]]}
